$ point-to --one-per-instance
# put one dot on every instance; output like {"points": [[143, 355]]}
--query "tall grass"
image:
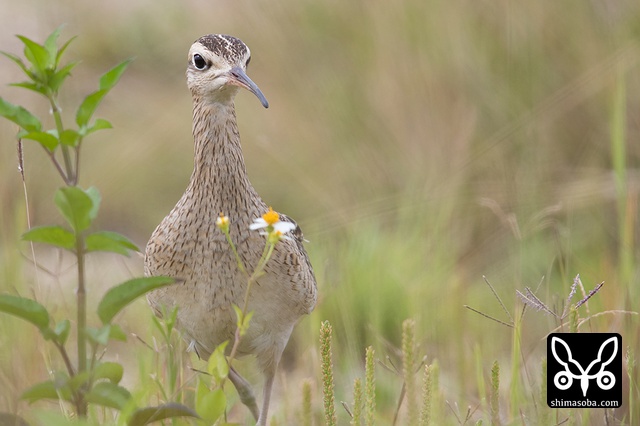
{"points": [[420, 146]]}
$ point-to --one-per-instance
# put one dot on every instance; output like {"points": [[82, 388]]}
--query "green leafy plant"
{"points": [[90, 381], [210, 399]]}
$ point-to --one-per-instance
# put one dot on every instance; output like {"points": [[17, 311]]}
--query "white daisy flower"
{"points": [[273, 228]]}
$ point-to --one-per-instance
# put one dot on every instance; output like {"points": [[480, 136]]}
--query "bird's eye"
{"points": [[199, 62], [247, 63]]}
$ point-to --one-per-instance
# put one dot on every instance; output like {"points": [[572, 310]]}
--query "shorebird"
{"points": [[188, 246]]}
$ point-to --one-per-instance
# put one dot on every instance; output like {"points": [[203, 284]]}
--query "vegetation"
{"points": [[420, 145]]}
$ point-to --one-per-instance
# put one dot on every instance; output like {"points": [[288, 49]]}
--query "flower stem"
{"points": [[266, 255], [235, 252]]}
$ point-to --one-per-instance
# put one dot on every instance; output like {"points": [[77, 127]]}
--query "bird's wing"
{"points": [[297, 232]]}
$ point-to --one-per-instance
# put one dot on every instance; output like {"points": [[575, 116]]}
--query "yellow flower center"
{"points": [[222, 221], [271, 217]]}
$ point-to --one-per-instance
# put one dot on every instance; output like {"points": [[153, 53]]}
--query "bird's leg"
{"points": [[270, 375], [244, 392]]}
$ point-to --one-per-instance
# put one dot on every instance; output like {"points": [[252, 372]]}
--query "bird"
{"points": [[188, 246]]}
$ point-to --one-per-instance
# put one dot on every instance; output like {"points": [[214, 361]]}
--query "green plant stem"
{"points": [[55, 162], [69, 176], [235, 252], [77, 397], [82, 318], [266, 255], [77, 166], [65, 358]]}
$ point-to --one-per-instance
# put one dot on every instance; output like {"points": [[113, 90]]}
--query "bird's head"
{"points": [[218, 67]]}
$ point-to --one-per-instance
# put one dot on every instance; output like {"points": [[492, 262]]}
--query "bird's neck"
{"points": [[219, 175]]}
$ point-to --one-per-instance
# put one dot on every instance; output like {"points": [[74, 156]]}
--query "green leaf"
{"points": [[51, 46], [99, 124], [212, 405], [53, 235], [111, 77], [61, 331], [44, 390], [116, 333], [109, 370], [109, 241], [116, 298], [47, 140], [60, 76], [102, 335], [90, 103], [88, 107], [146, 415], [108, 394], [36, 87], [242, 320], [94, 194], [12, 420], [47, 390], [62, 49], [18, 62], [70, 137], [36, 54], [61, 417], [99, 336], [20, 116], [79, 380], [27, 309], [77, 206], [217, 365]]}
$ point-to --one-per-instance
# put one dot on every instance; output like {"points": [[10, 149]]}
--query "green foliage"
{"points": [[78, 207], [217, 366], [52, 235], [89, 105], [27, 309], [210, 404], [243, 319], [116, 298], [50, 389], [144, 416], [109, 241], [22, 118], [85, 384]]}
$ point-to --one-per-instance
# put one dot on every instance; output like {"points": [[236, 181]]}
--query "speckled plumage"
{"points": [[188, 246]]}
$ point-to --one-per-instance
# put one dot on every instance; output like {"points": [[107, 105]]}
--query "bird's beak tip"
{"points": [[240, 78]]}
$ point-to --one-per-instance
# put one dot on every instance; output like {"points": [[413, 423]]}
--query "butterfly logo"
{"points": [[564, 379]]}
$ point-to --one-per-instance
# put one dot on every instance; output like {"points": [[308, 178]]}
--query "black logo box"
{"points": [[584, 370]]}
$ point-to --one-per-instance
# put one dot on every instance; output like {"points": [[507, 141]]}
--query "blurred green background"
{"points": [[419, 144]]}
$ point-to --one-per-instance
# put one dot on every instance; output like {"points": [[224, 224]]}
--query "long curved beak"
{"points": [[240, 78]]}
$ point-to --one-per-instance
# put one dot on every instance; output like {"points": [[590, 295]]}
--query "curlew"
{"points": [[187, 245]]}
